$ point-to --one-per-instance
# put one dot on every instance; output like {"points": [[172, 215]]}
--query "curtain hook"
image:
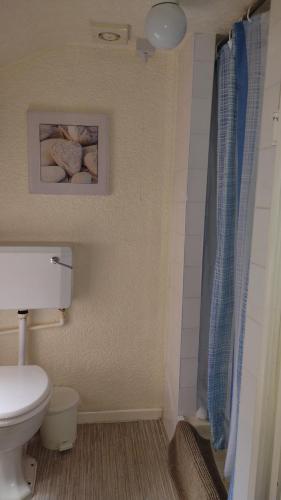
{"points": [[249, 14]]}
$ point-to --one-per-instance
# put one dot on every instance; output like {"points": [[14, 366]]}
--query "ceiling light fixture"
{"points": [[109, 36], [165, 25]]}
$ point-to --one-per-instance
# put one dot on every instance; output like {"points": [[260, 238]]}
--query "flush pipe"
{"points": [[22, 316], [40, 326]]}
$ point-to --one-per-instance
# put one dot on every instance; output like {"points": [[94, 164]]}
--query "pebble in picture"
{"points": [[67, 153]]}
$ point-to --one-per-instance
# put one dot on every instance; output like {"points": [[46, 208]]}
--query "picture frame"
{"points": [[68, 153]]}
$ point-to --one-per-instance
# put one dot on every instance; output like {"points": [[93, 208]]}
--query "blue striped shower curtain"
{"points": [[209, 253], [222, 301], [241, 68], [253, 39]]}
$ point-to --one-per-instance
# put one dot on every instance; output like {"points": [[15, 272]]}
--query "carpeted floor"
{"points": [[123, 461]]}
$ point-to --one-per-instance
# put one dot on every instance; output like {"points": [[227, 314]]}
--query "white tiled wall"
{"points": [[196, 63], [195, 213], [258, 268], [177, 236]]}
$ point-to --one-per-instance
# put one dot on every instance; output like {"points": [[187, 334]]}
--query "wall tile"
{"points": [[188, 372], [189, 342], [198, 151], [270, 105], [200, 111], [243, 461], [265, 177], [196, 188], [273, 74], [275, 16], [252, 346], [187, 401], [256, 294], [192, 282], [260, 236], [194, 221], [193, 250], [202, 79], [245, 434], [204, 47], [248, 398], [190, 313]]}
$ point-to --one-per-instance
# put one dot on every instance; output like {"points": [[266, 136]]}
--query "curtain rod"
{"points": [[249, 12]]}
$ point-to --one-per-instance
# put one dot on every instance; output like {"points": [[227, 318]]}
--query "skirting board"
{"points": [[93, 417]]}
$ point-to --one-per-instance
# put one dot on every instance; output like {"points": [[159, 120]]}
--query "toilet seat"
{"points": [[23, 390]]}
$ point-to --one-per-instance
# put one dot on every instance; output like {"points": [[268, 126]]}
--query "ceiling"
{"points": [[31, 25]]}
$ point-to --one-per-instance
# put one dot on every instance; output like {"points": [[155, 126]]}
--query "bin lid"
{"points": [[62, 399]]}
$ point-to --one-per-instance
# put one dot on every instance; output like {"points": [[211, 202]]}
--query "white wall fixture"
{"points": [[144, 49], [30, 279], [110, 34], [165, 25]]}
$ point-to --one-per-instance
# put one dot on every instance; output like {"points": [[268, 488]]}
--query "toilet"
{"points": [[32, 277], [25, 392]]}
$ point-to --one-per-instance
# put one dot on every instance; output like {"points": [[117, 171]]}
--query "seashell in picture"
{"points": [[48, 131], [90, 149], [82, 134], [90, 159], [81, 178], [67, 154], [46, 157], [52, 173]]}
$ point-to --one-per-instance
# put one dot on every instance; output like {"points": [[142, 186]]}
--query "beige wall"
{"points": [[111, 350]]}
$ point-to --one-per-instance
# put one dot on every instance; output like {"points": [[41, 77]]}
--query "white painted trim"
{"points": [[93, 417]]}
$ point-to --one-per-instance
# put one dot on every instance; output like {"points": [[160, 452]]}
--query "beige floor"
{"points": [[124, 461]]}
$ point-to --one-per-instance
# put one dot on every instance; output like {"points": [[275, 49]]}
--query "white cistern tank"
{"points": [[35, 277]]}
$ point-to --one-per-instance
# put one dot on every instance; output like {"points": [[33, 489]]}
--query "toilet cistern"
{"points": [[30, 280]]}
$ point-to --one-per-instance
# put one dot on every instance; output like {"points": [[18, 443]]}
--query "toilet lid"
{"points": [[22, 388]]}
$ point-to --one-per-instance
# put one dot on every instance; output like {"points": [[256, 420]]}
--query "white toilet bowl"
{"points": [[25, 392]]}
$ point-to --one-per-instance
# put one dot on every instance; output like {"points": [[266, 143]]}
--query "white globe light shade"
{"points": [[165, 25]]}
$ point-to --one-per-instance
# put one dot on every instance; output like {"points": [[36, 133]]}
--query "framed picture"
{"points": [[68, 153]]}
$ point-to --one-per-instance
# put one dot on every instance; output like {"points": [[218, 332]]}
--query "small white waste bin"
{"points": [[59, 428]]}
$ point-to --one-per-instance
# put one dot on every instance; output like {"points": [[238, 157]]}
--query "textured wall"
{"points": [[27, 25], [111, 350]]}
